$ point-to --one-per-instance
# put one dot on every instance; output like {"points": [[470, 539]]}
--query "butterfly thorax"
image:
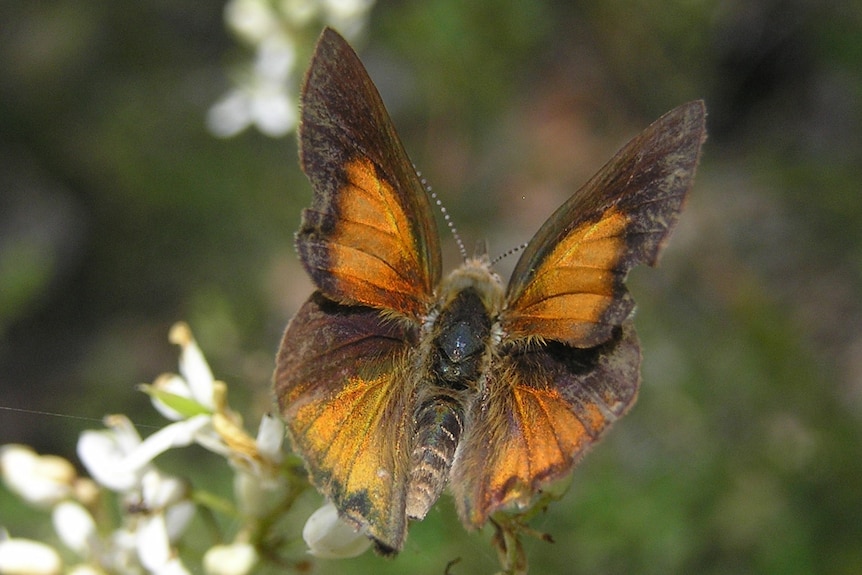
{"points": [[462, 329]]}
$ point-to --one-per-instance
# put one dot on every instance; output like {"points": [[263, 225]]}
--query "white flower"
{"points": [[251, 20], [193, 365], [300, 12], [264, 96], [275, 59], [329, 537], [178, 397], [105, 454], [347, 9], [156, 509], [267, 105], [233, 559], [26, 557], [118, 459], [348, 16], [40, 480], [172, 567], [258, 482]]}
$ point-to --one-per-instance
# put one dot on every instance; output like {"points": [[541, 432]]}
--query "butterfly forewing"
{"points": [[369, 236], [568, 284]]}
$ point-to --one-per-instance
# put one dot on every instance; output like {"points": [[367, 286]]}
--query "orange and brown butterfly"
{"points": [[396, 381]]}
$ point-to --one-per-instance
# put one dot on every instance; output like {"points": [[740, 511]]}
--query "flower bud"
{"points": [[330, 537]]}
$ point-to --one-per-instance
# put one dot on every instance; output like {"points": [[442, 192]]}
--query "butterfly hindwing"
{"points": [[568, 284], [369, 236], [344, 364], [546, 404]]}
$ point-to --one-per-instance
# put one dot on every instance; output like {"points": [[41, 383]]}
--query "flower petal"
{"points": [[121, 554], [151, 541], [270, 438], [178, 434], [273, 109], [173, 567], [158, 491], [75, 527], [177, 519], [171, 396], [230, 115], [28, 557], [275, 59], [103, 455], [193, 366], [252, 20]]}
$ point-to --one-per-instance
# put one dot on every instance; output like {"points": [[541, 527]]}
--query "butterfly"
{"points": [[396, 381]]}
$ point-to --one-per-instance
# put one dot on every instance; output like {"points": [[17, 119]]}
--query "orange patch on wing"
{"points": [[544, 437], [344, 437], [373, 247], [324, 424], [575, 284]]}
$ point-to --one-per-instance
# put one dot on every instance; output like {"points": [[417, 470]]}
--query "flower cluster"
{"points": [[264, 90], [156, 507]]}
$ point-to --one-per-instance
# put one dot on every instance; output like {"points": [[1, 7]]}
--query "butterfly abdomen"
{"points": [[439, 424]]}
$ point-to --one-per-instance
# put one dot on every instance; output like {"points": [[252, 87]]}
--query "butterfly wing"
{"points": [[342, 389], [568, 284], [546, 404], [568, 362], [369, 236], [369, 243]]}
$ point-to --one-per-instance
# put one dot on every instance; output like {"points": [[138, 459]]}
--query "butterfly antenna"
{"points": [[508, 253], [445, 213]]}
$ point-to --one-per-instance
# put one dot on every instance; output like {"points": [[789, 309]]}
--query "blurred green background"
{"points": [[120, 214]]}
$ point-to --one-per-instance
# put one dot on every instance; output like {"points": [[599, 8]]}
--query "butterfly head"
{"points": [[476, 273]]}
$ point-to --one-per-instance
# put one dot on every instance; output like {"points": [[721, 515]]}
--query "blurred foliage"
{"points": [[120, 214]]}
